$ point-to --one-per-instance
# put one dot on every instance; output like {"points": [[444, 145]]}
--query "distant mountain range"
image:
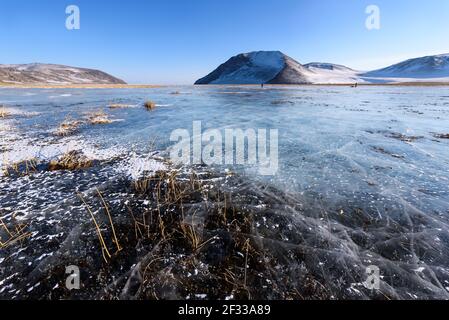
{"points": [[38, 73], [274, 67], [259, 67]]}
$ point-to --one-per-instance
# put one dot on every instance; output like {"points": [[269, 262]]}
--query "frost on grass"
{"points": [[98, 117], [74, 160], [68, 127], [24, 152]]}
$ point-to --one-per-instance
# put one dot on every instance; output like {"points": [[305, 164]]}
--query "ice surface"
{"points": [[363, 176]]}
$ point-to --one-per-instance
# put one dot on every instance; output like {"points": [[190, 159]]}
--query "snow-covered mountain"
{"points": [[423, 68], [274, 67], [37, 73], [328, 73], [328, 66], [248, 68]]}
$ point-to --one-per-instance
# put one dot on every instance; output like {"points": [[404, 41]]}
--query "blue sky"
{"points": [[179, 41]]}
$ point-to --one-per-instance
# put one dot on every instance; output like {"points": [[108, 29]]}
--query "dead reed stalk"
{"points": [[104, 248]]}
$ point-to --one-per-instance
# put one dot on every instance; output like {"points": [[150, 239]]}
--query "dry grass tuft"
{"points": [[98, 117], [14, 235], [21, 168], [73, 160], [119, 106], [168, 193], [115, 240], [104, 248], [186, 217], [106, 253], [4, 113], [68, 127], [150, 105]]}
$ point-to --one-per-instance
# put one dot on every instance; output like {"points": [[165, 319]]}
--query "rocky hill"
{"points": [[37, 73]]}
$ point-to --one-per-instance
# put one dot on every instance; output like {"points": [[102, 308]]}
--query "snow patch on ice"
{"points": [[65, 95], [23, 150], [135, 166], [6, 126]]}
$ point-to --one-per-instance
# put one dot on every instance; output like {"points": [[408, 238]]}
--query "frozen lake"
{"points": [[367, 170]]}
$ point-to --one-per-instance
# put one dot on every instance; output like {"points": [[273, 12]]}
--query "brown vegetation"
{"points": [[119, 106], [150, 105], [21, 168], [98, 117], [4, 113], [15, 234], [73, 160], [68, 127]]}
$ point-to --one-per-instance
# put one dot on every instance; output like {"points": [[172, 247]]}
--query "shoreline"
{"points": [[399, 84], [79, 86], [151, 86]]}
